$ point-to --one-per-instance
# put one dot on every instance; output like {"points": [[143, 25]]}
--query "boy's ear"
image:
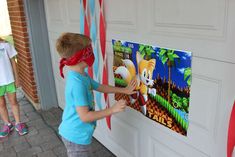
{"points": [[138, 57]]}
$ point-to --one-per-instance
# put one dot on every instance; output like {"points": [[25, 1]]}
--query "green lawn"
{"points": [[9, 39]]}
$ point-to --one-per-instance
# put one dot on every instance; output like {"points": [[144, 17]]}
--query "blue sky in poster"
{"points": [[177, 73]]}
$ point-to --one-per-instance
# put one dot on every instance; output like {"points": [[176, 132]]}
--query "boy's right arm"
{"points": [[90, 116], [130, 89]]}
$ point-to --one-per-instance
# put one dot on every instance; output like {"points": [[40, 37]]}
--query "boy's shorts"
{"points": [[75, 150], [10, 88]]}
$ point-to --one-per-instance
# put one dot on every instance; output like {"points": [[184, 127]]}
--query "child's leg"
{"points": [[21, 128], [3, 110], [77, 150], [14, 106]]}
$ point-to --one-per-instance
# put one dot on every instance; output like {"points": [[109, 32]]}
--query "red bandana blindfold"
{"points": [[85, 55]]}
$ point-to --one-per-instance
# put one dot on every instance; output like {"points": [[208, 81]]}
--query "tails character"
{"points": [[144, 78]]}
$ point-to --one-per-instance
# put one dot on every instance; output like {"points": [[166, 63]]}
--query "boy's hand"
{"points": [[131, 87], [17, 83], [119, 106]]}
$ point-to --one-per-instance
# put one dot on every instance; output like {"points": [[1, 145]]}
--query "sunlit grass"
{"points": [[8, 38]]}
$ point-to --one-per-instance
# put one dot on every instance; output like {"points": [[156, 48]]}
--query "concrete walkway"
{"points": [[42, 139]]}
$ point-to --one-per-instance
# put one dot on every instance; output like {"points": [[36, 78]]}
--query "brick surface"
{"points": [[30, 152], [62, 155], [3, 140], [50, 145], [46, 131], [32, 131], [13, 136], [24, 119], [96, 146], [21, 42], [27, 109], [9, 152], [1, 147], [36, 140], [37, 123], [42, 139], [14, 141], [21, 147], [47, 154], [60, 150], [33, 115], [103, 153]]}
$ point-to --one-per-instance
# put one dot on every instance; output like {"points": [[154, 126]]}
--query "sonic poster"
{"points": [[164, 79]]}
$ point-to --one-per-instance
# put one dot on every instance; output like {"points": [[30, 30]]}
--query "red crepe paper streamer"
{"points": [[102, 35], [100, 2], [231, 133], [86, 27], [103, 46], [84, 4], [87, 31]]}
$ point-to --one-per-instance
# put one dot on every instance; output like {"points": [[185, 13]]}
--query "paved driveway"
{"points": [[42, 139]]}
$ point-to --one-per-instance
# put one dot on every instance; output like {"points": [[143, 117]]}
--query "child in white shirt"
{"points": [[8, 83]]}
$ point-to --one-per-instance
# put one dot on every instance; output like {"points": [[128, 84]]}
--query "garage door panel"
{"points": [[183, 25]]}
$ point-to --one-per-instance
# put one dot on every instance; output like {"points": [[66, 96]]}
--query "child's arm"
{"points": [[111, 89], [90, 116], [14, 67]]}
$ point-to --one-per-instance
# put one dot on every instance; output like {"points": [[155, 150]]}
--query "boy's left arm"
{"points": [[14, 67], [111, 89]]}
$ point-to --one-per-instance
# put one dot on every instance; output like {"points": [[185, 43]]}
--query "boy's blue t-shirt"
{"points": [[78, 92]]}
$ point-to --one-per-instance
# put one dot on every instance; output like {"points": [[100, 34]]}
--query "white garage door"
{"points": [[207, 28]]}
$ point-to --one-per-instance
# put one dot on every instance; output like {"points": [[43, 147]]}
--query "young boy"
{"points": [[79, 117], [8, 83]]}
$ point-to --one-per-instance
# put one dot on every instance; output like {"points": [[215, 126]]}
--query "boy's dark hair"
{"points": [[69, 43]]}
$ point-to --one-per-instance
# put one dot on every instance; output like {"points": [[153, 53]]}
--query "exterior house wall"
{"points": [[179, 25], [5, 28], [21, 41]]}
